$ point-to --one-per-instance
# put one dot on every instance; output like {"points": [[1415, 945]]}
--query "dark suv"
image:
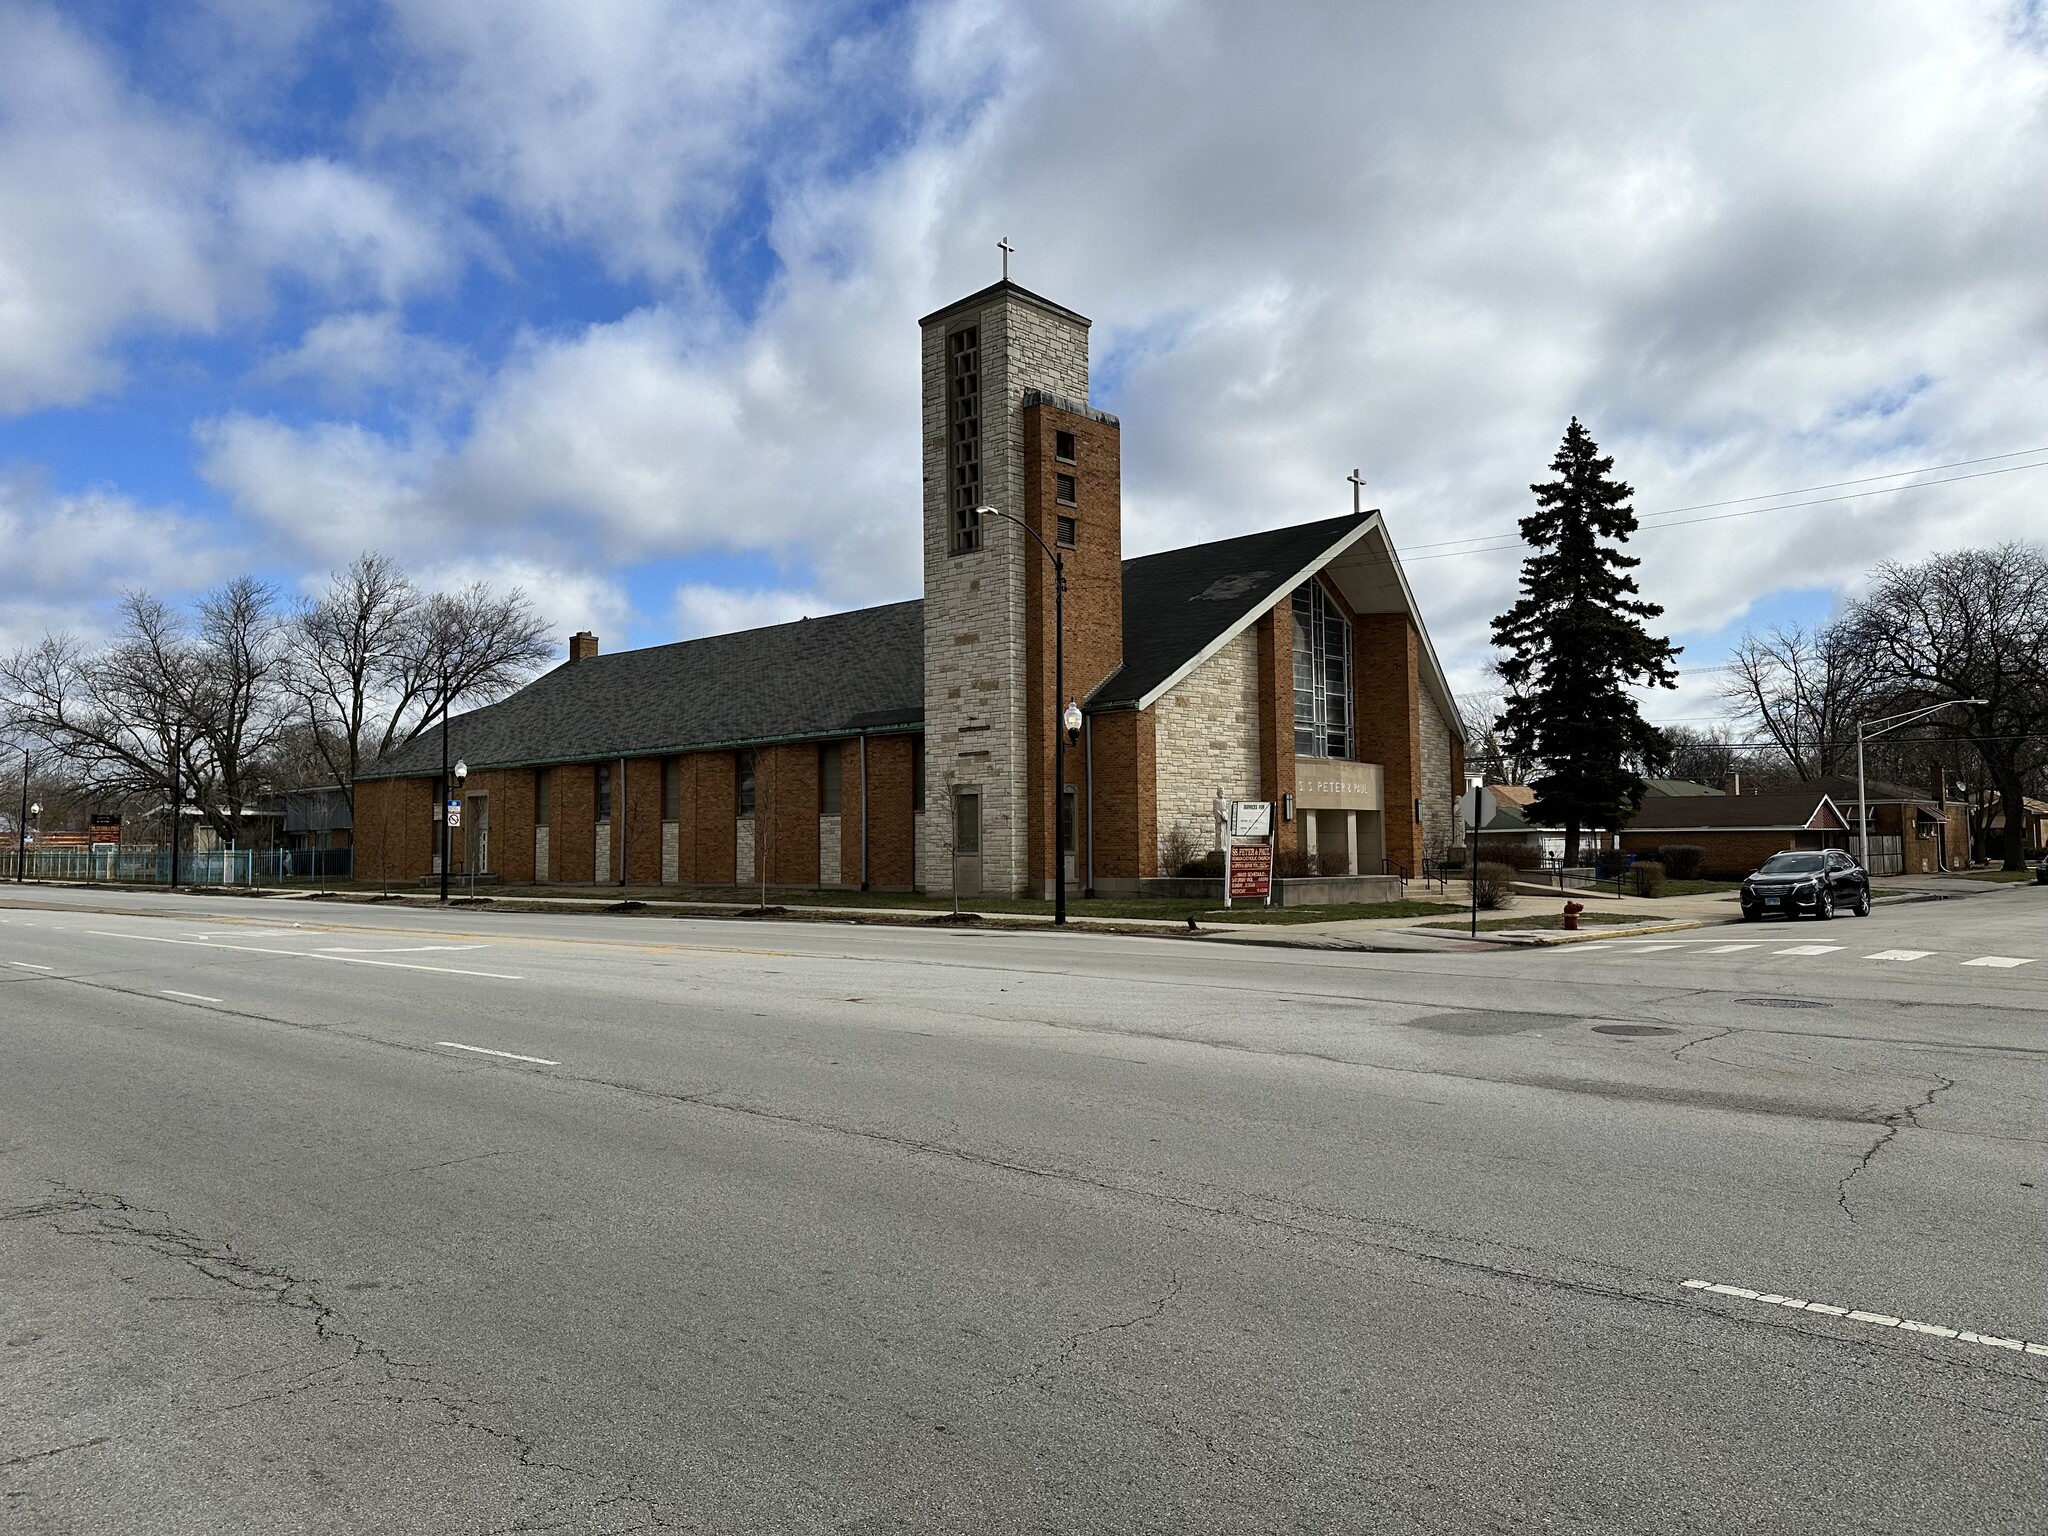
{"points": [[1820, 883]]}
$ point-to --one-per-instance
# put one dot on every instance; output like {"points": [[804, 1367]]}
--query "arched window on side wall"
{"points": [[1322, 675]]}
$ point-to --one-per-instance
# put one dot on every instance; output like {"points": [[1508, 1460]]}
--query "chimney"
{"points": [[1732, 785], [582, 645], [1940, 785]]}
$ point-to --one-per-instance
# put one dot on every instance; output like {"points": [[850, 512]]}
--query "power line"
{"points": [[1493, 543]]}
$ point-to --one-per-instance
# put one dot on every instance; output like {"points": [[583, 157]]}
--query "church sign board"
{"points": [[1251, 871]]}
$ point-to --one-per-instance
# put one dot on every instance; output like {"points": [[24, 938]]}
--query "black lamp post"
{"points": [[455, 799], [1066, 721], [444, 787]]}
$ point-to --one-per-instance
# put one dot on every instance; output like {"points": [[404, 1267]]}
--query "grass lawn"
{"points": [[1698, 887], [726, 897], [1556, 920]]}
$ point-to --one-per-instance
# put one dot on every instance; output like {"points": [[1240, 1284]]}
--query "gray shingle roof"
{"points": [[847, 672], [1177, 603], [816, 677], [1789, 810]]}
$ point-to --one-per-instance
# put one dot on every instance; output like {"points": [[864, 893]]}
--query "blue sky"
{"points": [[617, 302]]}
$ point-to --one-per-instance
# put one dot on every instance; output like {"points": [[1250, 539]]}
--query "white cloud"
{"points": [[69, 556], [355, 354], [346, 233], [703, 609]]}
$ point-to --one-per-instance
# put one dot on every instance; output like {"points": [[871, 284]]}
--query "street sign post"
{"points": [[454, 814]]}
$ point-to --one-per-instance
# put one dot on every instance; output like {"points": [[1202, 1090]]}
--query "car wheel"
{"points": [[1824, 905], [1863, 902], [1751, 917]]}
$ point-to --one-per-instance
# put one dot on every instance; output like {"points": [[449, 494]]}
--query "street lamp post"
{"points": [[443, 787], [455, 799], [1066, 719], [1867, 730]]}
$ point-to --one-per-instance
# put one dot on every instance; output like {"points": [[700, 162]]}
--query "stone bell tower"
{"points": [[981, 356]]}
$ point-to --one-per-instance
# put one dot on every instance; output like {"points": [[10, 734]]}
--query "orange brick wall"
{"points": [[891, 855], [1094, 607], [1387, 683], [395, 827], [1276, 713], [641, 832], [1126, 817], [786, 804], [714, 831]]}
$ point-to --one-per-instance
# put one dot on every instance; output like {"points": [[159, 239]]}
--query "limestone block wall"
{"points": [[671, 852], [743, 856], [1439, 787], [540, 855], [828, 850], [1206, 740]]}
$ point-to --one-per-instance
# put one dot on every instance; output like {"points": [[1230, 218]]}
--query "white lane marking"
{"points": [[1900, 954], [2003, 962], [1729, 949], [396, 949], [1810, 949], [197, 997], [1875, 1319], [24, 965], [301, 954], [539, 1061]]}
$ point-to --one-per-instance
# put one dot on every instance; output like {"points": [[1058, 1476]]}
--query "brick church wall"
{"points": [[1126, 815]]}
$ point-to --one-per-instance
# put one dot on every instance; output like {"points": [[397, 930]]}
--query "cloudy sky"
{"points": [[617, 299]]}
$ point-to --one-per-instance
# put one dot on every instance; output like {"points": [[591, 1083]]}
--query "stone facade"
{"points": [[1207, 741], [1440, 778], [974, 610]]}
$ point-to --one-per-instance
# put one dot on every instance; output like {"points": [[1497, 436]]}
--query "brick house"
{"points": [[912, 744], [1738, 832]]}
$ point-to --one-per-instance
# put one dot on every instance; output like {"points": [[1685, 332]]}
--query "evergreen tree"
{"points": [[1574, 643]]}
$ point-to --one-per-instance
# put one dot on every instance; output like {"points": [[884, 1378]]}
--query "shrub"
{"points": [[1295, 863], [1517, 856], [1495, 886], [1208, 867], [1683, 861], [1646, 877], [1179, 847]]}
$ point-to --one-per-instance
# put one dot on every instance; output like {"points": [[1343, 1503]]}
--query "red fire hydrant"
{"points": [[1572, 909]]}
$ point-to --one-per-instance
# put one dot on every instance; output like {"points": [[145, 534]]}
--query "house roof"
{"points": [[1180, 606], [1678, 788], [1800, 810], [1520, 795], [831, 676], [1841, 787]]}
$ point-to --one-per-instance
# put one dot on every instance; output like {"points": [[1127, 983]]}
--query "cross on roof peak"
{"points": [[1357, 485], [1006, 248]]}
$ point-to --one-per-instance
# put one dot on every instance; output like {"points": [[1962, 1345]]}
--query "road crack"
{"points": [[1071, 1344], [1893, 1123]]}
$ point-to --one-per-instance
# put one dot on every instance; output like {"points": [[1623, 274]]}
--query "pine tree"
{"points": [[1574, 644]]}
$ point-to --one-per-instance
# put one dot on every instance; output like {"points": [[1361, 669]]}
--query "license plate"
{"points": [[1770, 901]]}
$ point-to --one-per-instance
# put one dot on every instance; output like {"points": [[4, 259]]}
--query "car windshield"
{"points": [[1793, 864]]}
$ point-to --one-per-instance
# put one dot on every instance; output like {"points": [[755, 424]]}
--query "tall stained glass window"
{"points": [[1322, 675]]}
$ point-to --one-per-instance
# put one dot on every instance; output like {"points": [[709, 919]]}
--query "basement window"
{"points": [[1063, 490], [1064, 534]]}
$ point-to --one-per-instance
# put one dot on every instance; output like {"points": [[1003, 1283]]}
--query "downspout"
{"points": [[1088, 777], [863, 809]]}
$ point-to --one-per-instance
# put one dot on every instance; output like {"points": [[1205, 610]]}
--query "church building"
{"points": [[911, 746]]}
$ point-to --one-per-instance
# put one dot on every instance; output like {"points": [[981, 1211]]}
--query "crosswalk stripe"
{"points": [[1900, 954], [1811, 949], [2003, 962]]}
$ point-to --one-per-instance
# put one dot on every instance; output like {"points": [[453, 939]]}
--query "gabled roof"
{"points": [[1181, 606], [831, 676], [1842, 788], [1794, 810]]}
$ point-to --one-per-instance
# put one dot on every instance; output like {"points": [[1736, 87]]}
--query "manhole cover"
{"points": [[1779, 1002], [1632, 1030]]}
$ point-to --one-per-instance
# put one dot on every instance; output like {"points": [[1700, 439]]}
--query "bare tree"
{"points": [[1972, 623], [372, 655], [238, 708], [1803, 690]]}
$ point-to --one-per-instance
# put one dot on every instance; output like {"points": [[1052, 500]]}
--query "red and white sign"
{"points": [[1251, 871]]}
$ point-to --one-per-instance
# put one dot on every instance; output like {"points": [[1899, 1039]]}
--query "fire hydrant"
{"points": [[1572, 909]]}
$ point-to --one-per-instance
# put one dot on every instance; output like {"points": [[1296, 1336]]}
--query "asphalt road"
{"points": [[795, 1227]]}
